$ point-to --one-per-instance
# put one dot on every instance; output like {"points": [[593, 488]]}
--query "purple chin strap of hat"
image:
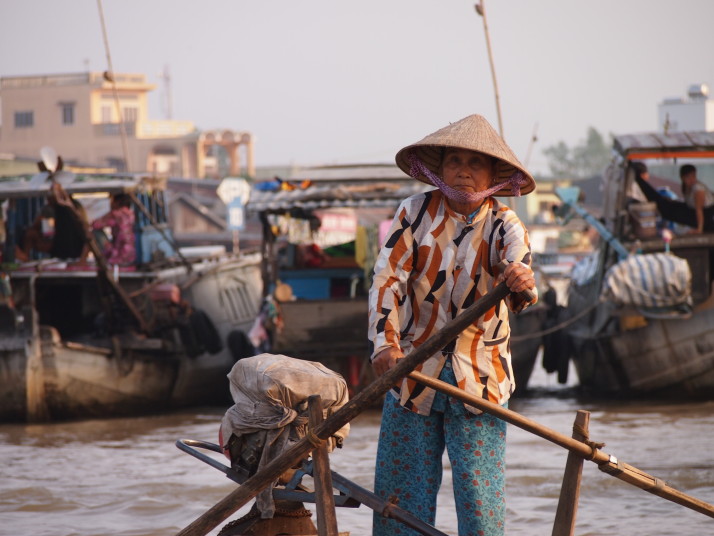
{"points": [[417, 167]]}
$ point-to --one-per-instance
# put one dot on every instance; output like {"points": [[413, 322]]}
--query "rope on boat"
{"points": [[585, 434], [555, 328]]}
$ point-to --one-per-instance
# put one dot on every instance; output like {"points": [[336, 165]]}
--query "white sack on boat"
{"points": [[270, 392], [654, 280]]}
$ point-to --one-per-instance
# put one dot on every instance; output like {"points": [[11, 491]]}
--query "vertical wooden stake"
{"points": [[570, 490], [324, 500]]}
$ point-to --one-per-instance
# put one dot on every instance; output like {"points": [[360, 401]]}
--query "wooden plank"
{"points": [[570, 490], [324, 499]]}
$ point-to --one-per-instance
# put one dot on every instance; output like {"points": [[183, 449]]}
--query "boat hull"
{"points": [[674, 356], [45, 376], [524, 346]]}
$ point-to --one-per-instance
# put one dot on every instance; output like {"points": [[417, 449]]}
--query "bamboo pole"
{"points": [[35, 394], [324, 499], [109, 76], [605, 462], [481, 10], [365, 398], [564, 524]]}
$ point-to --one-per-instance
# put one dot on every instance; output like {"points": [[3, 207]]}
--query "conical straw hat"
{"points": [[475, 134]]}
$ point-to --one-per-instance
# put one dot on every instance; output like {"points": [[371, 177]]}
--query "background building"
{"points": [[693, 113], [96, 120]]}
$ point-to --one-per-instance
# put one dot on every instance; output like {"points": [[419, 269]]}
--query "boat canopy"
{"points": [[37, 185], [660, 145], [364, 186]]}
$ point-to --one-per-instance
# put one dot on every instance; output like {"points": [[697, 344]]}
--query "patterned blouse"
{"points": [[434, 265], [122, 249]]}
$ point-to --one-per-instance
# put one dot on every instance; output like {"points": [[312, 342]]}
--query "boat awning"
{"points": [[350, 172], [38, 185], [660, 145], [378, 195], [359, 187]]}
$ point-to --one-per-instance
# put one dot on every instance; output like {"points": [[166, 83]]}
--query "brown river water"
{"points": [[125, 477]]}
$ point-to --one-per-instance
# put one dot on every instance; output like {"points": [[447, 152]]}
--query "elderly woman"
{"points": [[441, 254]]}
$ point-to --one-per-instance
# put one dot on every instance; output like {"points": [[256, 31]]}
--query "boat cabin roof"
{"points": [[37, 185], [348, 186], [660, 145]]}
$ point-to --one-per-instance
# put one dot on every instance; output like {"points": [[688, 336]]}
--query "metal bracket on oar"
{"points": [[293, 490]]}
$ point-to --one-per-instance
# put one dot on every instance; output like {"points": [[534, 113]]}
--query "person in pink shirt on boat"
{"points": [[120, 219]]}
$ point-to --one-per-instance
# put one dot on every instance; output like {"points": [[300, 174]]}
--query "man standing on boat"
{"points": [[441, 254]]}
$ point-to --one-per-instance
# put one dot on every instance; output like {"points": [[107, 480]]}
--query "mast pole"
{"points": [[481, 10], [109, 76]]}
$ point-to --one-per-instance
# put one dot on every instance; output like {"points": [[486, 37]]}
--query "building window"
{"points": [[24, 119], [106, 114], [130, 114], [67, 113]]}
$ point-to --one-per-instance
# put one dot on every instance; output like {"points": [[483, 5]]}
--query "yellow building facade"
{"points": [[96, 120]]}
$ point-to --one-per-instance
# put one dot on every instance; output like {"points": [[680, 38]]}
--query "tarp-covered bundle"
{"points": [[270, 393], [653, 283]]}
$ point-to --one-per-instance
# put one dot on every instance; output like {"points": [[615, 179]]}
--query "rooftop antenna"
{"points": [[168, 100], [109, 76]]}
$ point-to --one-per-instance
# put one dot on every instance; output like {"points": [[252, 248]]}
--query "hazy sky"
{"points": [[330, 81]]}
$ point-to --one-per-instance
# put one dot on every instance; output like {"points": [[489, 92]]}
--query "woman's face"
{"points": [[467, 171]]}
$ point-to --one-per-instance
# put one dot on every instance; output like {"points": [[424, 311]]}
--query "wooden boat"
{"points": [[324, 316], [633, 350], [92, 340]]}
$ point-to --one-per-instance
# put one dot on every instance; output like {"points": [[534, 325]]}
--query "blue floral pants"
{"points": [[409, 465]]}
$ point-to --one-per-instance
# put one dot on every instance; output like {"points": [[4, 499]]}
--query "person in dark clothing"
{"points": [[58, 229], [674, 210]]}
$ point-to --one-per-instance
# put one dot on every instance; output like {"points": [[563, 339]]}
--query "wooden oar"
{"points": [[605, 462], [102, 266], [364, 399]]}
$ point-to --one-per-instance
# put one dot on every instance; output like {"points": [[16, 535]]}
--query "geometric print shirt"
{"points": [[432, 266]]}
